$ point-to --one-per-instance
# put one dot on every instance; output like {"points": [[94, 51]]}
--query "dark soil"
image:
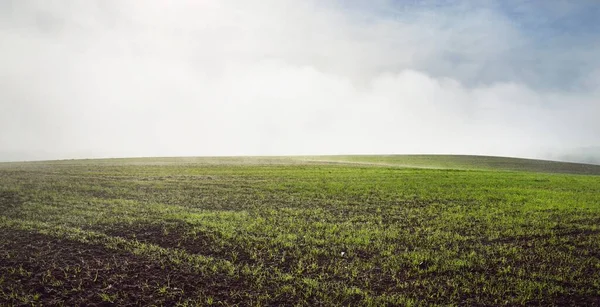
{"points": [[53, 271], [178, 235]]}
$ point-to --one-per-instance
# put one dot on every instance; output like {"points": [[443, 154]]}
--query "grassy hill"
{"points": [[459, 162], [468, 162], [357, 230]]}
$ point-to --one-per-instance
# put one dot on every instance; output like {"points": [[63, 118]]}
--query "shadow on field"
{"points": [[181, 236], [178, 235], [10, 201], [531, 240]]}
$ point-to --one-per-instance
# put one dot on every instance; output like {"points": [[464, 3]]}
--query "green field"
{"points": [[328, 230]]}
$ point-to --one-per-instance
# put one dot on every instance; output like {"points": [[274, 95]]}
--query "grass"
{"points": [[299, 230], [467, 163]]}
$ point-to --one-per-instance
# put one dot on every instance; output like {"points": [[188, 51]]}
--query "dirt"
{"points": [[179, 236], [54, 271], [65, 272]]}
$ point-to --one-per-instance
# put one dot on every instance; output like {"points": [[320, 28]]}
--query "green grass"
{"points": [[353, 230], [467, 163]]}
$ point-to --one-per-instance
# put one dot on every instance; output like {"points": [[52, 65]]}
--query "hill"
{"points": [[466, 162], [458, 162], [332, 231]]}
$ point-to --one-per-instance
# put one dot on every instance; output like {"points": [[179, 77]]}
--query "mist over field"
{"points": [[83, 79]]}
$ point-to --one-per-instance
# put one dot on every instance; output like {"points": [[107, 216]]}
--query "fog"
{"points": [[85, 79]]}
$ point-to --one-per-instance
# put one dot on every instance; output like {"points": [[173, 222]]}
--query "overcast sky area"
{"points": [[118, 78]]}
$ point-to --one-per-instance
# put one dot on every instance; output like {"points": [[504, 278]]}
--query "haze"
{"points": [[85, 79]]}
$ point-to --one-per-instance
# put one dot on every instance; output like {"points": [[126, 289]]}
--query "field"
{"points": [[331, 230]]}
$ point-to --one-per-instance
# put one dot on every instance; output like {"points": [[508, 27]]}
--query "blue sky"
{"points": [[556, 39]]}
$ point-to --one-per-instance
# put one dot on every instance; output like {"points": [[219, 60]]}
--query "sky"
{"points": [[125, 78]]}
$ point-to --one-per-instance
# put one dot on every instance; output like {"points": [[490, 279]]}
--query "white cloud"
{"points": [[123, 78]]}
